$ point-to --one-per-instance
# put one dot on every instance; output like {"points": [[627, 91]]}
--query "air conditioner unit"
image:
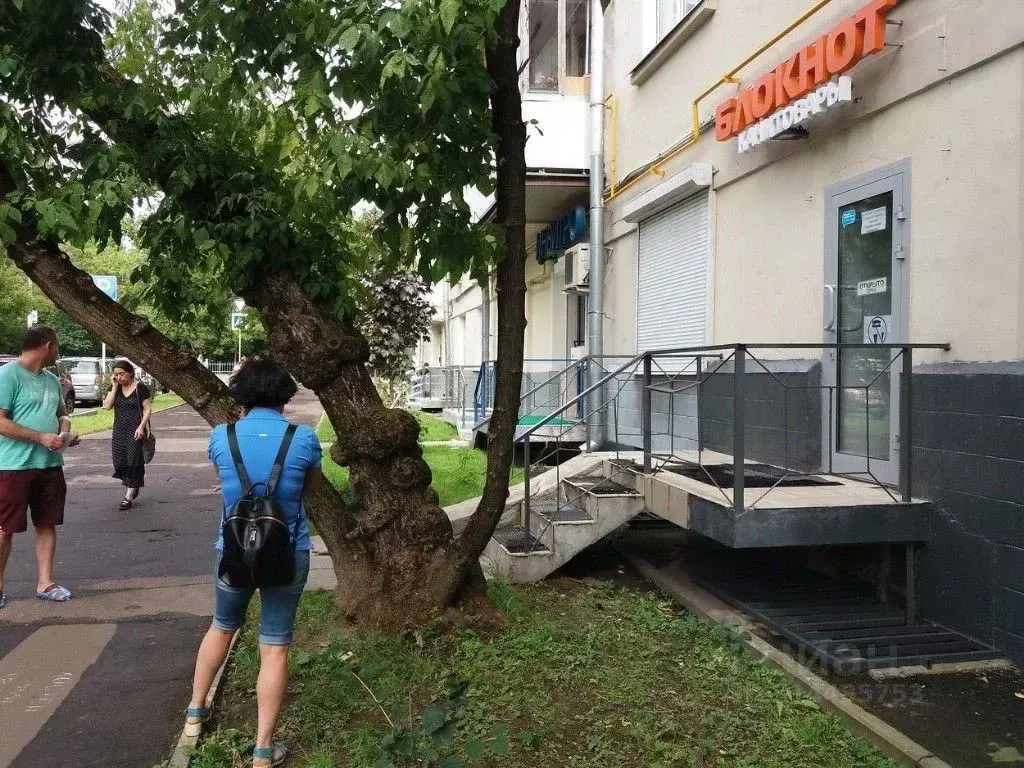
{"points": [[577, 268]]}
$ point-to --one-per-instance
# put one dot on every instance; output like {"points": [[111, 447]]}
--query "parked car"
{"points": [[91, 381], [61, 372]]}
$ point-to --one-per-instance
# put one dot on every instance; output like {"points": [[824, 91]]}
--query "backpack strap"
{"points": [[236, 456], [282, 454]]}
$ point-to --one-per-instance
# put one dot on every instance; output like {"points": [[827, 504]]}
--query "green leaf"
{"points": [[434, 719], [449, 11], [350, 38], [399, 26], [499, 740], [6, 233], [451, 762], [476, 749]]}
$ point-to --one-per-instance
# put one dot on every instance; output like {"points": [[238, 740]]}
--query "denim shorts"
{"points": [[277, 604]]}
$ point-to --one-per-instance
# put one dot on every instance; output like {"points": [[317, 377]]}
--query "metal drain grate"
{"points": [[842, 627]]}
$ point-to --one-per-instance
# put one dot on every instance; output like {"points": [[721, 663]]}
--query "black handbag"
{"points": [[149, 440], [259, 550]]}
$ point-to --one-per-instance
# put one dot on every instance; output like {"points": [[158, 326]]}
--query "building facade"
{"points": [[853, 174], [846, 172]]}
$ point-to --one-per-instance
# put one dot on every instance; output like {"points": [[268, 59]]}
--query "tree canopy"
{"points": [[248, 133]]}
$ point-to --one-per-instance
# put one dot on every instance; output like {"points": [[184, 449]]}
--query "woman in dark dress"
{"points": [[132, 406]]}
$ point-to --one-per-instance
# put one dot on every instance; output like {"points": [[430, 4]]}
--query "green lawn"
{"points": [[585, 676], [99, 420], [458, 473], [432, 429]]}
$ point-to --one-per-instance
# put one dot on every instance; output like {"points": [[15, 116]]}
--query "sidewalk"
{"points": [[103, 680]]}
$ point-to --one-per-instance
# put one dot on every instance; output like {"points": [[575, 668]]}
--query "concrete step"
{"points": [[587, 509]]}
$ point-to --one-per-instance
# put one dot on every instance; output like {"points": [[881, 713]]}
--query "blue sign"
{"points": [[565, 232], [849, 217], [107, 284], [237, 320]]}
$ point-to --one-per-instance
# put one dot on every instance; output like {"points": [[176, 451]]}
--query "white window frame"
{"points": [[523, 56]]}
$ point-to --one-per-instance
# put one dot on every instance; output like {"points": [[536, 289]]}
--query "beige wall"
{"points": [[951, 100]]}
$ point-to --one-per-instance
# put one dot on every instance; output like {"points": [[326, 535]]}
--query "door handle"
{"points": [[833, 309]]}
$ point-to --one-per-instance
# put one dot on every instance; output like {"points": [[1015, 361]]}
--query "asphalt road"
{"points": [[103, 679]]}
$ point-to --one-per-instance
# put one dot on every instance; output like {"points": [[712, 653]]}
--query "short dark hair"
{"points": [[262, 383], [125, 366], [38, 336]]}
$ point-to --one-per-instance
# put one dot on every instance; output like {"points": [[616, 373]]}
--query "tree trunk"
{"points": [[395, 569], [507, 120]]}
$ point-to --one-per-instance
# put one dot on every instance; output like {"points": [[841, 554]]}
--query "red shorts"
{"points": [[41, 490]]}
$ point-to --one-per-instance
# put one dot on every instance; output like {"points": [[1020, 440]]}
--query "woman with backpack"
{"points": [[266, 466], [132, 404]]}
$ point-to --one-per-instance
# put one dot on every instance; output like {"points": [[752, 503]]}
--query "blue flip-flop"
{"points": [[55, 593], [202, 714], [276, 754]]}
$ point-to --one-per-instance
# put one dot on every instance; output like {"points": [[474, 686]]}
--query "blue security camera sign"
{"points": [[237, 320]]}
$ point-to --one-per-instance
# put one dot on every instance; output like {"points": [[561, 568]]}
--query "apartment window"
{"points": [[671, 12], [543, 21], [555, 46], [577, 38]]}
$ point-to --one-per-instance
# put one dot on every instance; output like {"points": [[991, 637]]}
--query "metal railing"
{"points": [[553, 379], [690, 374]]}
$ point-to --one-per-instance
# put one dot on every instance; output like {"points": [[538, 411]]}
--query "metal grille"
{"points": [[842, 627]]}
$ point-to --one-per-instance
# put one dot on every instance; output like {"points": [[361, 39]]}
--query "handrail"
{"points": [[631, 362], [540, 386]]}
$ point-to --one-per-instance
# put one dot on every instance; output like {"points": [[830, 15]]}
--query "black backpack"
{"points": [[259, 550]]}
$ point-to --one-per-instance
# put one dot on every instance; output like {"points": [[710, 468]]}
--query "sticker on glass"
{"points": [[877, 329], [871, 287], [849, 217], [873, 221]]}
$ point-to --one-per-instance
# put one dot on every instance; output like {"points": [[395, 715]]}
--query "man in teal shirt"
{"points": [[34, 429]]}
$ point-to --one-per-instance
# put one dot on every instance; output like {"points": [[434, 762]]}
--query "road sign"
{"points": [[107, 284], [237, 320], [33, 318]]}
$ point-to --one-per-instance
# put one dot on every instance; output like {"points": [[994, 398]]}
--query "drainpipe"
{"points": [[485, 319], [595, 299]]}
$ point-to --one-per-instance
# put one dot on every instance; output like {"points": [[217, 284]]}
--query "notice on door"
{"points": [[871, 287], [873, 221], [877, 329]]}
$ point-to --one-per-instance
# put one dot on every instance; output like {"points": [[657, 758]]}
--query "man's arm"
{"points": [[10, 429], [64, 420]]}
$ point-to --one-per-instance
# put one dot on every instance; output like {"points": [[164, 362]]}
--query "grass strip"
{"points": [[100, 419], [595, 676]]}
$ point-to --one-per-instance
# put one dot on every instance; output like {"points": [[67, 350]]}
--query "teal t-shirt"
{"points": [[31, 400]]}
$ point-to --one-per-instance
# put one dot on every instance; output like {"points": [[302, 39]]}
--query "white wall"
{"points": [[951, 99], [560, 138]]}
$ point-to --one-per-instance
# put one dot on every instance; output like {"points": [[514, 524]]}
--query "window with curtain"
{"points": [[543, 21]]}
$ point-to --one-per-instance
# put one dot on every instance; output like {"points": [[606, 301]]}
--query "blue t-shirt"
{"points": [[259, 439]]}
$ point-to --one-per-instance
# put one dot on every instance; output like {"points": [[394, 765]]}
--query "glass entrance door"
{"points": [[865, 290]]}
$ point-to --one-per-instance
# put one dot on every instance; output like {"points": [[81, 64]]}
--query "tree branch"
{"points": [[507, 121]]}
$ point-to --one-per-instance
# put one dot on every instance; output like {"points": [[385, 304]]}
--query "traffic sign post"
{"points": [[237, 321], [107, 284]]}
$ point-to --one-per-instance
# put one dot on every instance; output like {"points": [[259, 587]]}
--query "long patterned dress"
{"points": [[126, 451]]}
